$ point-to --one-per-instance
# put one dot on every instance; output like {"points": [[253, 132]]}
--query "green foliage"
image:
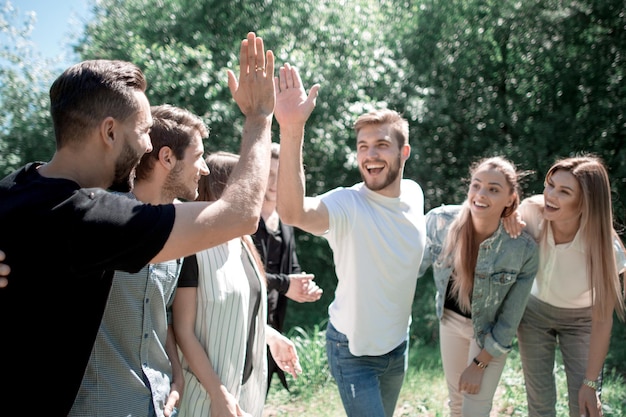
{"points": [[532, 80], [311, 347], [25, 129], [424, 392]]}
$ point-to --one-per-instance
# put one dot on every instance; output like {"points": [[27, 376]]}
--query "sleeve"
{"points": [[295, 264], [189, 272], [114, 232], [278, 282], [427, 260], [500, 339]]}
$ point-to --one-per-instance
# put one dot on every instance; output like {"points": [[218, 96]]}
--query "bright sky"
{"points": [[59, 24]]}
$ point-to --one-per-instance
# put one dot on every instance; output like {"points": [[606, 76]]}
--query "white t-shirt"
{"points": [[378, 245]]}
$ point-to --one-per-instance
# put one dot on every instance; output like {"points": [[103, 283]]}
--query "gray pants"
{"points": [[542, 329]]}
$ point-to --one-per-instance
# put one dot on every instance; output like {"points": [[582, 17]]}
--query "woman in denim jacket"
{"points": [[483, 279]]}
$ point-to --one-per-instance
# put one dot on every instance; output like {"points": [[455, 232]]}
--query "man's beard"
{"points": [[392, 175], [125, 170], [174, 186]]}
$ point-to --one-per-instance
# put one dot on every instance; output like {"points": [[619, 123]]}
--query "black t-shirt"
{"points": [[63, 244]]}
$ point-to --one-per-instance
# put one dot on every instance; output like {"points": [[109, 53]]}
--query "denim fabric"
{"points": [[369, 385], [503, 278], [542, 329]]}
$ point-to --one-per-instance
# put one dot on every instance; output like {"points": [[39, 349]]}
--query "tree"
{"points": [[25, 127], [185, 47]]}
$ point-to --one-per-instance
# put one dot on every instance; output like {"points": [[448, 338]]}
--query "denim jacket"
{"points": [[504, 275]]}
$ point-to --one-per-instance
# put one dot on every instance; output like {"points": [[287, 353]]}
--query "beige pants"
{"points": [[458, 348]]}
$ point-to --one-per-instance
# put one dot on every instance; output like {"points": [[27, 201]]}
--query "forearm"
{"points": [[171, 349], [291, 179], [201, 366], [248, 181], [598, 347]]}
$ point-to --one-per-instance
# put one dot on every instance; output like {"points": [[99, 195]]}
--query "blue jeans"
{"points": [[369, 386]]}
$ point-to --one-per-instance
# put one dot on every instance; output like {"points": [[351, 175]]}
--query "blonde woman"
{"points": [[577, 287], [483, 278]]}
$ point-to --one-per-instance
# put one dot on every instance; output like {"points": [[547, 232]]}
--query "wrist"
{"points": [[590, 383], [482, 365]]}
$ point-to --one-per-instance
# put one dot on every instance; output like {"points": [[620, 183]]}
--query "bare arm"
{"points": [[293, 108], [201, 225], [178, 380], [588, 401]]}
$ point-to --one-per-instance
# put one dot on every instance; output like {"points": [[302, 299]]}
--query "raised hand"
{"points": [[253, 90], [293, 105]]}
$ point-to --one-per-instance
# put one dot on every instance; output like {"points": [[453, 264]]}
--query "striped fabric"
{"points": [[221, 327]]}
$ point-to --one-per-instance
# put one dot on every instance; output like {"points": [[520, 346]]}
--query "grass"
{"points": [[423, 394]]}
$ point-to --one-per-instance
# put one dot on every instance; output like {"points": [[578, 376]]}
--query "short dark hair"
{"points": [[90, 91], [173, 127]]}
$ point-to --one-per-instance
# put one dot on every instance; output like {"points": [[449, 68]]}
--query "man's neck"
{"points": [[270, 215], [150, 192]]}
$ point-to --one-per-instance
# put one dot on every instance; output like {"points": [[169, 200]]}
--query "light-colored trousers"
{"points": [[458, 348]]}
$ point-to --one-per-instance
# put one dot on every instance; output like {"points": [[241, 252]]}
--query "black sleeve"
{"points": [[189, 272], [278, 282]]}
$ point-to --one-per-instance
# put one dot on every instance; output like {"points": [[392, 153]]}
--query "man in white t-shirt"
{"points": [[376, 231]]}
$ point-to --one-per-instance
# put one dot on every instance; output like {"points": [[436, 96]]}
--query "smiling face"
{"points": [[380, 159], [489, 194], [182, 180], [562, 195]]}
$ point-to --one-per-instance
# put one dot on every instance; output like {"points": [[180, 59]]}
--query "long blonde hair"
{"points": [[596, 230], [460, 248]]}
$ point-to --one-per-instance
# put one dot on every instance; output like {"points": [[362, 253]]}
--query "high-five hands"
{"points": [[293, 105], [254, 89]]}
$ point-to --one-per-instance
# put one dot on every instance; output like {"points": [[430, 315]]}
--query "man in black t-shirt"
{"points": [[64, 234]]}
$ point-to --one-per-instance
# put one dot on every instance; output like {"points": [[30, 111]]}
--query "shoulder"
{"points": [[444, 211], [524, 241]]}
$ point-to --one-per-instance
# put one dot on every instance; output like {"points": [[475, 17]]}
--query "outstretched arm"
{"points": [[293, 108], [200, 225]]}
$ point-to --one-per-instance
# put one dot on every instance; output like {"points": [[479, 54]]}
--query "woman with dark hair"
{"points": [[220, 316]]}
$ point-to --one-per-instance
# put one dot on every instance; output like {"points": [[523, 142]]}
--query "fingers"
{"points": [[313, 93], [269, 66], [259, 52], [233, 85], [3, 282]]}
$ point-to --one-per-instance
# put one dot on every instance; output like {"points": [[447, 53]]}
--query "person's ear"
{"points": [[167, 158], [107, 131], [405, 151]]}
